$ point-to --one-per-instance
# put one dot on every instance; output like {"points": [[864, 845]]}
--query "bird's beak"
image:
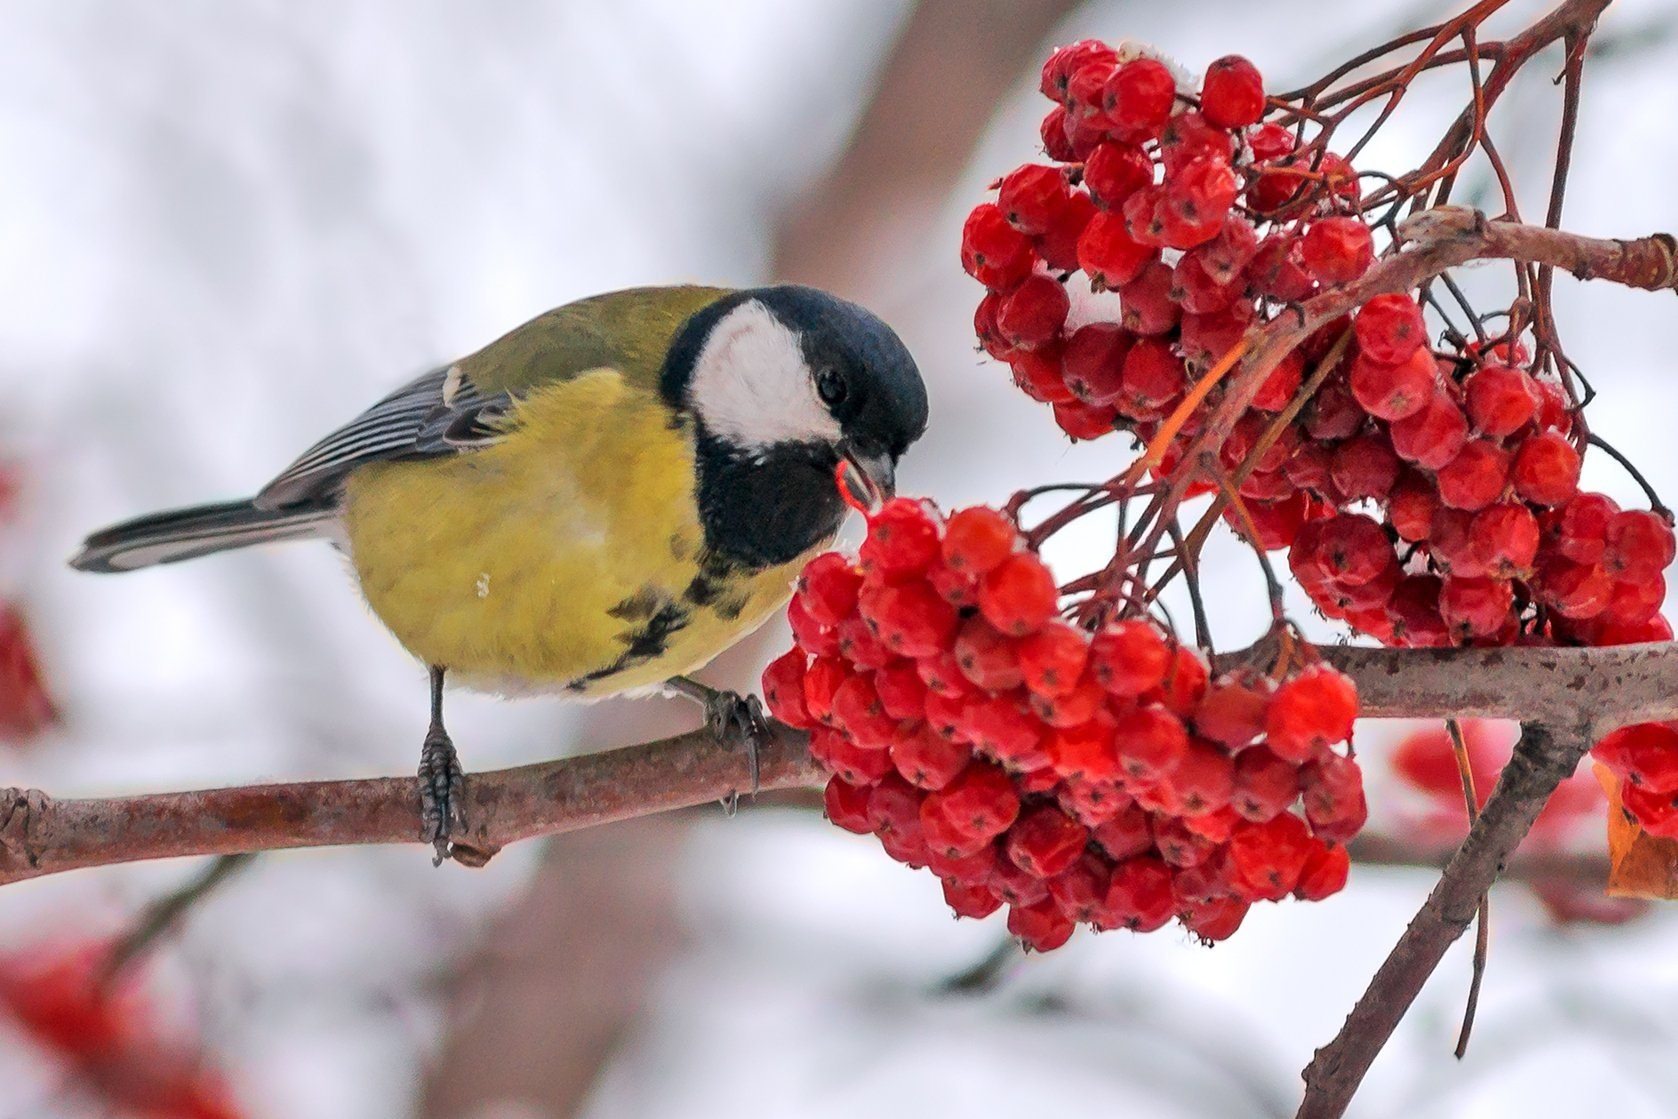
{"points": [[868, 477]]}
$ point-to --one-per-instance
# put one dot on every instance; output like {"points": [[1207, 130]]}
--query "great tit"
{"points": [[597, 503]]}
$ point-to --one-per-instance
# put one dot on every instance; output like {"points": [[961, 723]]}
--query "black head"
{"points": [[783, 382]]}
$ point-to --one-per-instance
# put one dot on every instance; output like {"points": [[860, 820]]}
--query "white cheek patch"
{"points": [[752, 387]]}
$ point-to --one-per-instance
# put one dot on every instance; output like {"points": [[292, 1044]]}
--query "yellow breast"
{"points": [[567, 555]]}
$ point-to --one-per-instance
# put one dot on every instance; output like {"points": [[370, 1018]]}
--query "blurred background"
{"points": [[225, 228]]}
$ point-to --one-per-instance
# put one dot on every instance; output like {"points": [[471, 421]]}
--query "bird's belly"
{"points": [[574, 562]]}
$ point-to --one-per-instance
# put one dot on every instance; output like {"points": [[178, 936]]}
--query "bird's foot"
{"points": [[735, 721], [442, 794]]}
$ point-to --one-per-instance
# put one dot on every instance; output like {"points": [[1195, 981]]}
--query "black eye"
{"points": [[831, 387]]}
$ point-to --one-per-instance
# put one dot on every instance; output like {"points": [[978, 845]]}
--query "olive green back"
{"points": [[629, 331]]}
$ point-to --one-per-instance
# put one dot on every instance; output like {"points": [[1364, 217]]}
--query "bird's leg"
{"points": [[734, 719], [442, 781]]}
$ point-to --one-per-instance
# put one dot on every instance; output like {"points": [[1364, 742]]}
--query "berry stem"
{"points": [[1482, 931]]}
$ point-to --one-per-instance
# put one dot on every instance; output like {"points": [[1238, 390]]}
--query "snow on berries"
{"points": [[1077, 776]]}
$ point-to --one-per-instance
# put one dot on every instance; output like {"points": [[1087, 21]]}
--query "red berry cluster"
{"points": [[1424, 760], [109, 1039], [1425, 498], [1645, 759], [1200, 218], [1078, 777], [1475, 530]]}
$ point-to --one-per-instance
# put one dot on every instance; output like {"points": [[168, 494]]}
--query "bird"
{"points": [[595, 504]]}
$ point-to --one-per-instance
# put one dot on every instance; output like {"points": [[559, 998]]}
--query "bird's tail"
{"points": [[181, 534]]}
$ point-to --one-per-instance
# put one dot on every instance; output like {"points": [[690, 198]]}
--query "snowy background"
{"points": [[226, 227]]}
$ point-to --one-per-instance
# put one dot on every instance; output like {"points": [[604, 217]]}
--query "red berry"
{"points": [[1092, 361], [1546, 469], [992, 251], [902, 692], [1145, 303], [1085, 421], [1268, 859], [1432, 436], [1138, 98], [903, 538], [1337, 250], [1065, 61], [1411, 506], [911, 619], [1232, 95], [1501, 400], [1233, 711], [1018, 595], [1643, 754], [1084, 751], [847, 805], [1151, 742], [1582, 530], [1576, 590], [783, 689], [1393, 392], [1332, 793], [1032, 314], [1056, 136], [828, 588], [986, 657], [1200, 195], [1203, 781], [1365, 466], [1109, 255], [1045, 841], [1214, 920], [1265, 784], [1052, 659], [1080, 891], [1504, 539], [1476, 477], [1310, 712], [1190, 136], [1057, 246], [1325, 873], [1114, 171], [927, 759], [1638, 545], [1475, 607], [1129, 658], [1139, 894], [1153, 376], [1353, 548], [1278, 270], [1000, 727], [980, 802], [1390, 329], [1031, 195], [1041, 926], [968, 899], [977, 539]]}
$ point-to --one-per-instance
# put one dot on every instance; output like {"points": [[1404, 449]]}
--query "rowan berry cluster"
{"points": [[1425, 497], [1078, 777], [1200, 218], [1424, 760], [108, 1037]]}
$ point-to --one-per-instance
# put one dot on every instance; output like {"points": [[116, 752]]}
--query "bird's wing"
{"points": [[470, 404], [439, 413]]}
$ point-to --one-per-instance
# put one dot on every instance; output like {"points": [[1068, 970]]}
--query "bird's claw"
{"points": [[738, 720], [442, 794]]}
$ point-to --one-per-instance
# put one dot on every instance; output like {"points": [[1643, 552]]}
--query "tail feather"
{"points": [[181, 534]]}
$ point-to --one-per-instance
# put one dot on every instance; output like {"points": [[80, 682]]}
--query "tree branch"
{"points": [[1542, 760], [39, 836]]}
